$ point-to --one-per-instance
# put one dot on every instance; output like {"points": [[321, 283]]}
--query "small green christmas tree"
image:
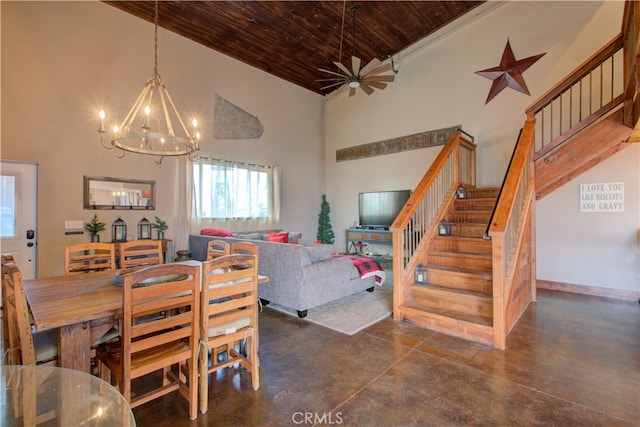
{"points": [[325, 233], [94, 226]]}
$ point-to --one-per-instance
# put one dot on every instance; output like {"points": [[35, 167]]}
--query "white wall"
{"points": [[63, 61], [599, 249], [437, 87]]}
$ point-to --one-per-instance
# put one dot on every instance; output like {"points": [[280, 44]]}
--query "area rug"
{"points": [[350, 314]]}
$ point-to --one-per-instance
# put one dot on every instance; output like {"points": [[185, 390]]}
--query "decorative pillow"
{"points": [[251, 236], [216, 232], [319, 252], [282, 237], [295, 237]]}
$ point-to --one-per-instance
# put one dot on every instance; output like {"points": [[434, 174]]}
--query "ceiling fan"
{"points": [[367, 78]]}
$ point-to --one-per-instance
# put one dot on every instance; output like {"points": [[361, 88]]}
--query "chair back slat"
{"points": [[217, 248], [89, 257], [247, 248], [137, 253], [225, 290], [160, 314]]}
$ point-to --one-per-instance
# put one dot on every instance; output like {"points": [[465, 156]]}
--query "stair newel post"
{"points": [[499, 327], [457, 164]]}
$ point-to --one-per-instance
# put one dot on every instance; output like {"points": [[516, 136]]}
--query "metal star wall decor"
{"points": [[508, 73]]}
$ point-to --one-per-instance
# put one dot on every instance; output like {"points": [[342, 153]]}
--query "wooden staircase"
{"points": [[477, 289], [458, 297]]}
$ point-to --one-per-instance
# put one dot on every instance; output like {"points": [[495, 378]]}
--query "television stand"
{"points": [[372, 227], [375, 236]]}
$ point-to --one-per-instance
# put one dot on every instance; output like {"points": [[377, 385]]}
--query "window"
{"points": [[8, 206], [232, 190]]}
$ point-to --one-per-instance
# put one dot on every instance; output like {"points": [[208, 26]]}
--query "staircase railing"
{"points": [[606, 81], [507, 229], [631, 34], [493, 213], [417, 222], [586, 95]]}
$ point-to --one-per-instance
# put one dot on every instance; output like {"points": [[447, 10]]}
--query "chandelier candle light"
{"points": [[155, 112]]}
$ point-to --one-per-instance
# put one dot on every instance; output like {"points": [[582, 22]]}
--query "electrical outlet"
{"points": [[73, 224]]}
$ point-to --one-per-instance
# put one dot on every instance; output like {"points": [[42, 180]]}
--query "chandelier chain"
{"points": [[155, 109], [155, 23]]}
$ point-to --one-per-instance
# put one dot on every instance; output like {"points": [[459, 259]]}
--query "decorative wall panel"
{"points": [[395, 145], [232, 122]]}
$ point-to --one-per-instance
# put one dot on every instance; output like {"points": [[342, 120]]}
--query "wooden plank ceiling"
{"points": [[293, 39]]}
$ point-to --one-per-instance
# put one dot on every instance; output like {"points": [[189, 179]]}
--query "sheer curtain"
{"points": [[214, 196], [184, 196]]}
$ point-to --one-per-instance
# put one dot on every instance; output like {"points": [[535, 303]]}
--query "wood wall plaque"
{"points": [[232, 122], [427, 139]]}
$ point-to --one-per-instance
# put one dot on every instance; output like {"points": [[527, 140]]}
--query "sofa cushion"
{"points": [[319, 252], [281, 237], [250, 236], [295, 237], [216, 232]]}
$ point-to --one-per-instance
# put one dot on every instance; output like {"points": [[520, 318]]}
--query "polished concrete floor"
{"points": [[572, 360]]}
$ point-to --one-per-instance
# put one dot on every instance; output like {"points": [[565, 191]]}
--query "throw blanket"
{"points": [[366, 266]]}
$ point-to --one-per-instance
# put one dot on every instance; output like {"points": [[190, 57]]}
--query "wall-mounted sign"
{"points": [[606, 197]]}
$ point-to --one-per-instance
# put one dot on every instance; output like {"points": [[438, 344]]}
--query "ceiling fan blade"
{"points": [[331, 72], [352, 91], [330, 81], [332, 85], [377, 85], [343, 68], [370, 66], [381, 69], [365, 87], [355, 65], [383, 78]]}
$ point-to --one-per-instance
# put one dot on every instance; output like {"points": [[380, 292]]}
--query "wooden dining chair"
{"points": [[229, 304], [216, 248], [25, 347], [150, 343], [246, 248], [89, 257], [136, 253]]}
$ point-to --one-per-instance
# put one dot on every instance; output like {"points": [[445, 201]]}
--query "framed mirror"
{"points": [[115, 193]]}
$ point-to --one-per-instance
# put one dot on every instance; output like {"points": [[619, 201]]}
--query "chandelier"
{"points": [[148, 128]]}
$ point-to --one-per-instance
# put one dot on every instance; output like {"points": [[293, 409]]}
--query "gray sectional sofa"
{"points": [[300, 277]]}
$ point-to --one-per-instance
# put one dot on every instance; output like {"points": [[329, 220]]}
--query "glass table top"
{"points": [[61, 396]]}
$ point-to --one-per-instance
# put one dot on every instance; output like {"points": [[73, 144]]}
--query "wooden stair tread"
{"points": [[470, 272], [431, 288], [460, 254], [465, 239], [459, 317], [471, 211]]}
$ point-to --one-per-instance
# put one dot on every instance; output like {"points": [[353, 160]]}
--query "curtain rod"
{"points": [[213, 159]]}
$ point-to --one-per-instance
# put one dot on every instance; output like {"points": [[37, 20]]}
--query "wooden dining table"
{"points": [[70, 303]]}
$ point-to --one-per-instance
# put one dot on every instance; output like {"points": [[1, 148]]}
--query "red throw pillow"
{"points": [[282, 237], [215, 232]]}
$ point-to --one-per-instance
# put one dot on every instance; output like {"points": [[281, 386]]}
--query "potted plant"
{"points": [[161, 226], [94, 227]]}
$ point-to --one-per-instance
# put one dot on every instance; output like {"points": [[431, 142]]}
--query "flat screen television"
{"points": [[378, 209]]}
